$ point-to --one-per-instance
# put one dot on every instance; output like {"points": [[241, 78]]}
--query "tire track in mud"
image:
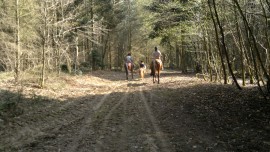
{"points": [[163, 143], [84, 141], [102, 144], [121, 128], [70, 119], [76, 143], [120, 120], [129, 125]]}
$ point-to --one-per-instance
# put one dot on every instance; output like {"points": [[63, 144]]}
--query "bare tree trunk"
{"points": [[208, 56], [18, 52], [224, 46], [92, 35], [253, 40], [177, 52], [268, 4], [267, 37], [44, 45], [240, 47], [218, 44], [183, 60], [213, 58], [129, 27], [106, 46], [76, 54]]}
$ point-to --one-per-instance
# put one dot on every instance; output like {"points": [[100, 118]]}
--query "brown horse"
{"points": [[129, 67], [156, 70]]}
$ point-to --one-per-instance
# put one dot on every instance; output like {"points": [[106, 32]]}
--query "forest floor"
{"points": [[103, 112]]}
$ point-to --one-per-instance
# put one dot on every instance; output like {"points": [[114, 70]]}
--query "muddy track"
{"points": [[119, 121], [129, 116], [71, 125]]}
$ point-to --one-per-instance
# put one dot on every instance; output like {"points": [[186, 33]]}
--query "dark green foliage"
{"points": [[64, 68], [168, 15], [96, 59]]}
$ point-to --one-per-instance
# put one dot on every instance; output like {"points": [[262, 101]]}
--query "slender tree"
{"points": [[218, 44]]}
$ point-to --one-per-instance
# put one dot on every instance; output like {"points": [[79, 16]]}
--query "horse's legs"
{"points": [[158, 74], [126, 69], [153, 72], [131, 70]]}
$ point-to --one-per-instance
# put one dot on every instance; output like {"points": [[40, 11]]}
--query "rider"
{"points": [[156, 55], [129, 59], [142, 65]]}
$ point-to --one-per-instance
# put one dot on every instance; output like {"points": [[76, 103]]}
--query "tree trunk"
{"points": [[224, 48], [92, 35], [18, 52], [241, 48], [267, 37], [253, 40], [44, 45], [129, 26], [177, 55], [218, 44], [76, 54]]}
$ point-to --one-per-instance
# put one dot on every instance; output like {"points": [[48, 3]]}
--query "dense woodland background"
{"points": [[221, 39]]}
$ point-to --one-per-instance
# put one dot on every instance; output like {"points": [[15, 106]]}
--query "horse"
{"points": [[129, 67], [156, 70]]}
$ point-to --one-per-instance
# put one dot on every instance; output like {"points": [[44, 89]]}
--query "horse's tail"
{"points": [[129, 66]]}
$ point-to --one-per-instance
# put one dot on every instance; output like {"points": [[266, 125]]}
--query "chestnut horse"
{"points": [[129, 67], [156, 70]]}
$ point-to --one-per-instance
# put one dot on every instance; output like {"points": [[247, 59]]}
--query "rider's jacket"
{"points": [[156, 54], [128, 59]]}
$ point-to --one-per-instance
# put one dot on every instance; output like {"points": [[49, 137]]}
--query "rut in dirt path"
{"points": [[158, 133], [180, 114], [128, 124], [107, 127], [75, 125]]}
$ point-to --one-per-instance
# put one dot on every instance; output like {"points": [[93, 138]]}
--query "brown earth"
{"points": [[102, 112]]}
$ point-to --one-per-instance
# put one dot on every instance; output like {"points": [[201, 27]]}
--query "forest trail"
{"points": [[102, 112]]}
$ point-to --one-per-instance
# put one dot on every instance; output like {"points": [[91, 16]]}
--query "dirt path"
{"points": [[180, 114]]}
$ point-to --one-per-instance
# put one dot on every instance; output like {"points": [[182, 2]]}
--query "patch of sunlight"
{"points": [[6, 76]]}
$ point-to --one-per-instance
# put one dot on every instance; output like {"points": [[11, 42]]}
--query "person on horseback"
{"points": [[129, 59], [129, 65], [156, 55]]}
